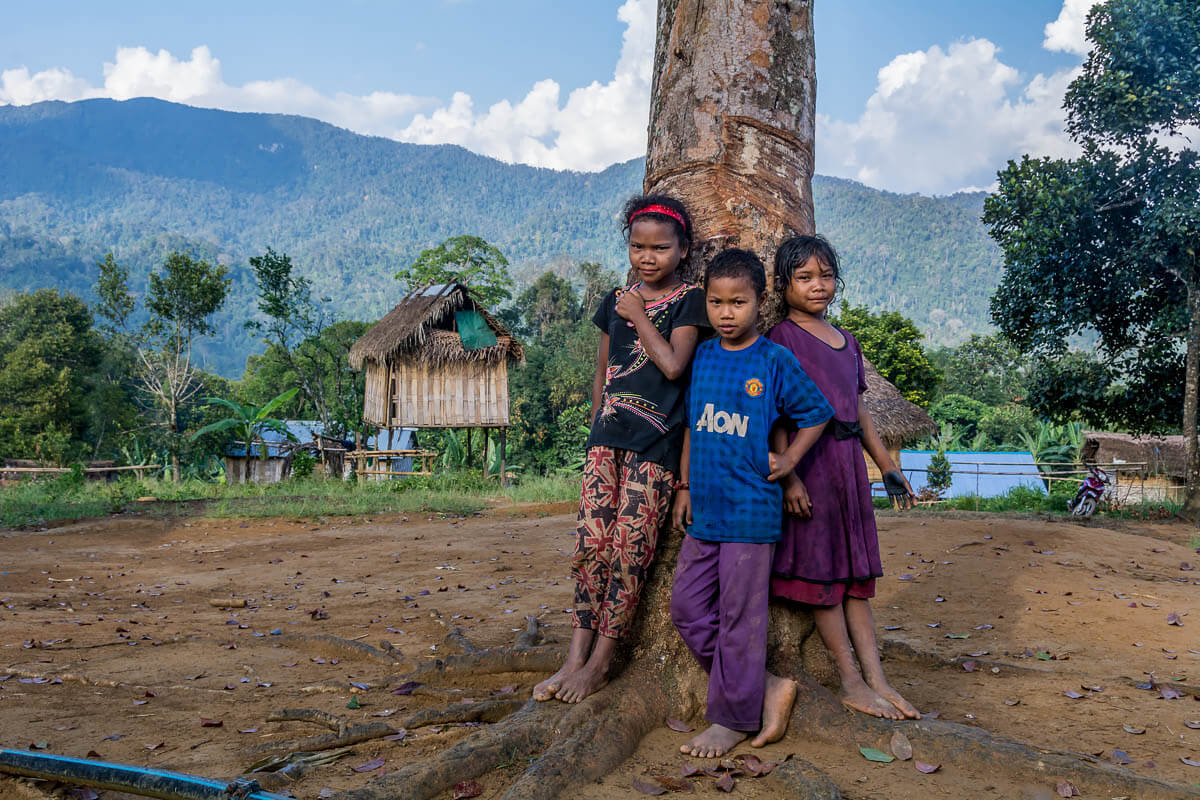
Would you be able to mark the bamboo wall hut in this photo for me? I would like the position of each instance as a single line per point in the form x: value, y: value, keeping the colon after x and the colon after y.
x: 897, y: 420
x: 1158, y: 460
x: 436, y: 360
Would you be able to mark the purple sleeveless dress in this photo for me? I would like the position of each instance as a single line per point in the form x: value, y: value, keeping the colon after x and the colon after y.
x: 835, y: 552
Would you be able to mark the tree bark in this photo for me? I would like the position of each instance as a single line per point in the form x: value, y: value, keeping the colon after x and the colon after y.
x: 1191, y: 400
x: 732, y: 122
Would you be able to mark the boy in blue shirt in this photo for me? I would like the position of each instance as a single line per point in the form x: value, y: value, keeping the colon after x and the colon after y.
x: 741, y: 385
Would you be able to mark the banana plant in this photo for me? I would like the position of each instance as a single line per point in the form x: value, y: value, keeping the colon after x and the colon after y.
x: 247, y: 422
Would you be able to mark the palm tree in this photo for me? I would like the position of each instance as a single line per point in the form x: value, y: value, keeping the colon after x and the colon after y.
x: 248, y: 421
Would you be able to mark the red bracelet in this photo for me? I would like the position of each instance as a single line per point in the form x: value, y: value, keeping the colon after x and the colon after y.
x: 683, y: 485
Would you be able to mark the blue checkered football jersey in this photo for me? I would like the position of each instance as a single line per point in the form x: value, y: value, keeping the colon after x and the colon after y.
x: 734, y: 399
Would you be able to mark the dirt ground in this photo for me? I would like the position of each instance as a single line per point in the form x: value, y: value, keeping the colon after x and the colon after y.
x: 1037, y: 630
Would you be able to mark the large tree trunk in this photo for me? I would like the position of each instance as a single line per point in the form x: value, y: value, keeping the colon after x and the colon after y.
x: 732, y: 120
x: 1191, y: 401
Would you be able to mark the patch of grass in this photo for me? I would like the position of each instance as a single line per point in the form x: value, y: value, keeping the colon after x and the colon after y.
x: 69, y: 497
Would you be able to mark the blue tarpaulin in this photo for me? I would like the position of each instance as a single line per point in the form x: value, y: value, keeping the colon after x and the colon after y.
x: 976, y: 473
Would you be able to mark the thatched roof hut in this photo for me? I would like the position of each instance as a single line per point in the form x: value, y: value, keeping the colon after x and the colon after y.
x: 436, y: 360
x: 898, y: 421
x: 1163, y: 455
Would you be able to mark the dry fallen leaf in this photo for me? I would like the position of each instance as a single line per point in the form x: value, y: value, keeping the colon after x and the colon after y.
x: 467, y: 789
x: 726, y: 783
x: 649, y: 785
x: 1066, y: 789
x: 374, y: 763
x: 1136, y: 731
x: 676, y: 725
x: 928, y: 769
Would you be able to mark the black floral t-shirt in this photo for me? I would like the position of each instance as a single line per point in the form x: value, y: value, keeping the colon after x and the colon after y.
x: 641, y: 409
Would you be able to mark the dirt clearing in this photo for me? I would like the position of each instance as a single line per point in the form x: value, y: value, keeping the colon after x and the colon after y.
x: 115, y: 641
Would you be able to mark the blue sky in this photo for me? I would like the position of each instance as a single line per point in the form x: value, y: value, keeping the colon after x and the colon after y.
x: 914, y: 95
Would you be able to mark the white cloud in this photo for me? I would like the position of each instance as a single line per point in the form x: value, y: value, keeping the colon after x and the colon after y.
x: 945, y: 120
x: 197, y: 81
x: 1066, y: 34
x: 600, y: 124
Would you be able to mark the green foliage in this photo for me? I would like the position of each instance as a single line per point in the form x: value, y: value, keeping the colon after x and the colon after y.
x: 986, y: 368
x: 183, y: 296
x: 1005, y: 427
x: 1105, y: 243
x: 1140, y: 78
x: 247, y: 421
x: 303, y: 462
x: 324, y: 361
x: 892, y: 343
x: 467, y: 259
x: 1055, y: 444
x: 48, y: 352
x: 940, y: 474
x: 112, y: 290
x: 959, y: 411
x: 550, y: 395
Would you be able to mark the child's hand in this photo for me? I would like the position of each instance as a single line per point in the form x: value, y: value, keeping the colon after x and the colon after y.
x: 795, y: 497
x: 899, y: 491
x: 681, y: 514
x: 631, y: 304
x: 781, y: 464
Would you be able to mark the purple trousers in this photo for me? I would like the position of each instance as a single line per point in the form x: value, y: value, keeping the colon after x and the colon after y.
x: 719, y: 606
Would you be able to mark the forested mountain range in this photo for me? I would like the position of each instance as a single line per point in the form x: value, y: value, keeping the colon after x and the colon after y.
x: 143, y: 177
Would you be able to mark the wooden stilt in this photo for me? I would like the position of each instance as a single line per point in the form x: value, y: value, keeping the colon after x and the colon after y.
x: 467, y: 462
x: 503, y: 465
x: 483, y: 452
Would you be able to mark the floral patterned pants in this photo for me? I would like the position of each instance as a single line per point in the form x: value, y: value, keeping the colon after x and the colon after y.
x: 623, y: 503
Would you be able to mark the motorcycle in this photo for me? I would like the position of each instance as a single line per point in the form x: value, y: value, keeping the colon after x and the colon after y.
x: 1087, y: 499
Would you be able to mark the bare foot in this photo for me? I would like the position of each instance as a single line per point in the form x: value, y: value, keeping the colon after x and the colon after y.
x: 581, y: 683
x: 884, y: 690
x: 550, y: 687
x: 861, y: 697
x: 714, y: 742
x: 777, y: 709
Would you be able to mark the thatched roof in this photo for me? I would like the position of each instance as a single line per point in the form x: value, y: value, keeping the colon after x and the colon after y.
x: 1164, y: 455
x: 897, y: 420
x: 422, y: 326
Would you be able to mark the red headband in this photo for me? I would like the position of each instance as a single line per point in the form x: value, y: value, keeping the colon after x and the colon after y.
x: 675, y: 215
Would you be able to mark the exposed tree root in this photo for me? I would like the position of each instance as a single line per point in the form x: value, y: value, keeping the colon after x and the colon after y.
x: 818, y: 715
x: 493, y: 661
x: 127, y: 643
x: 315, y: 716
x: 481, y: 711
x: 802, y: 781
x: 519, y: 736
x: 455, y: 636
x: 345, y: 647
x: 344, y: 732
x: 609, y: 726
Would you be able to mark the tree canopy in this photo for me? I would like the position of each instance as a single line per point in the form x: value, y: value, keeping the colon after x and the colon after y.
x: 1106, y: 242
x: 893, y: 344
x: 468, y: 259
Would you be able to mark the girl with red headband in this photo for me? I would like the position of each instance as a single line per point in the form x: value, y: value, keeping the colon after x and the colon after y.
x: 649, y: 332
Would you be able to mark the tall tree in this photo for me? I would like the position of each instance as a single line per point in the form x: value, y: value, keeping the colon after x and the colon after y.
x: 892, y: 342
x: 47, y: 352
x: 297, y: 331
x: 732, y: 121
x: 468, y: 259
x: 180, y: 302
x: 1107, y: 242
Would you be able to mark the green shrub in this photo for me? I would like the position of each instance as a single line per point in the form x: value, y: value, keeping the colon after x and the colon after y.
x: 1007, y: 426
x: 961, y: 412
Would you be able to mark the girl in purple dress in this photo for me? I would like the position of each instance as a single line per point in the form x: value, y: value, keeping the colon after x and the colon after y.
x: 828, y: 557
